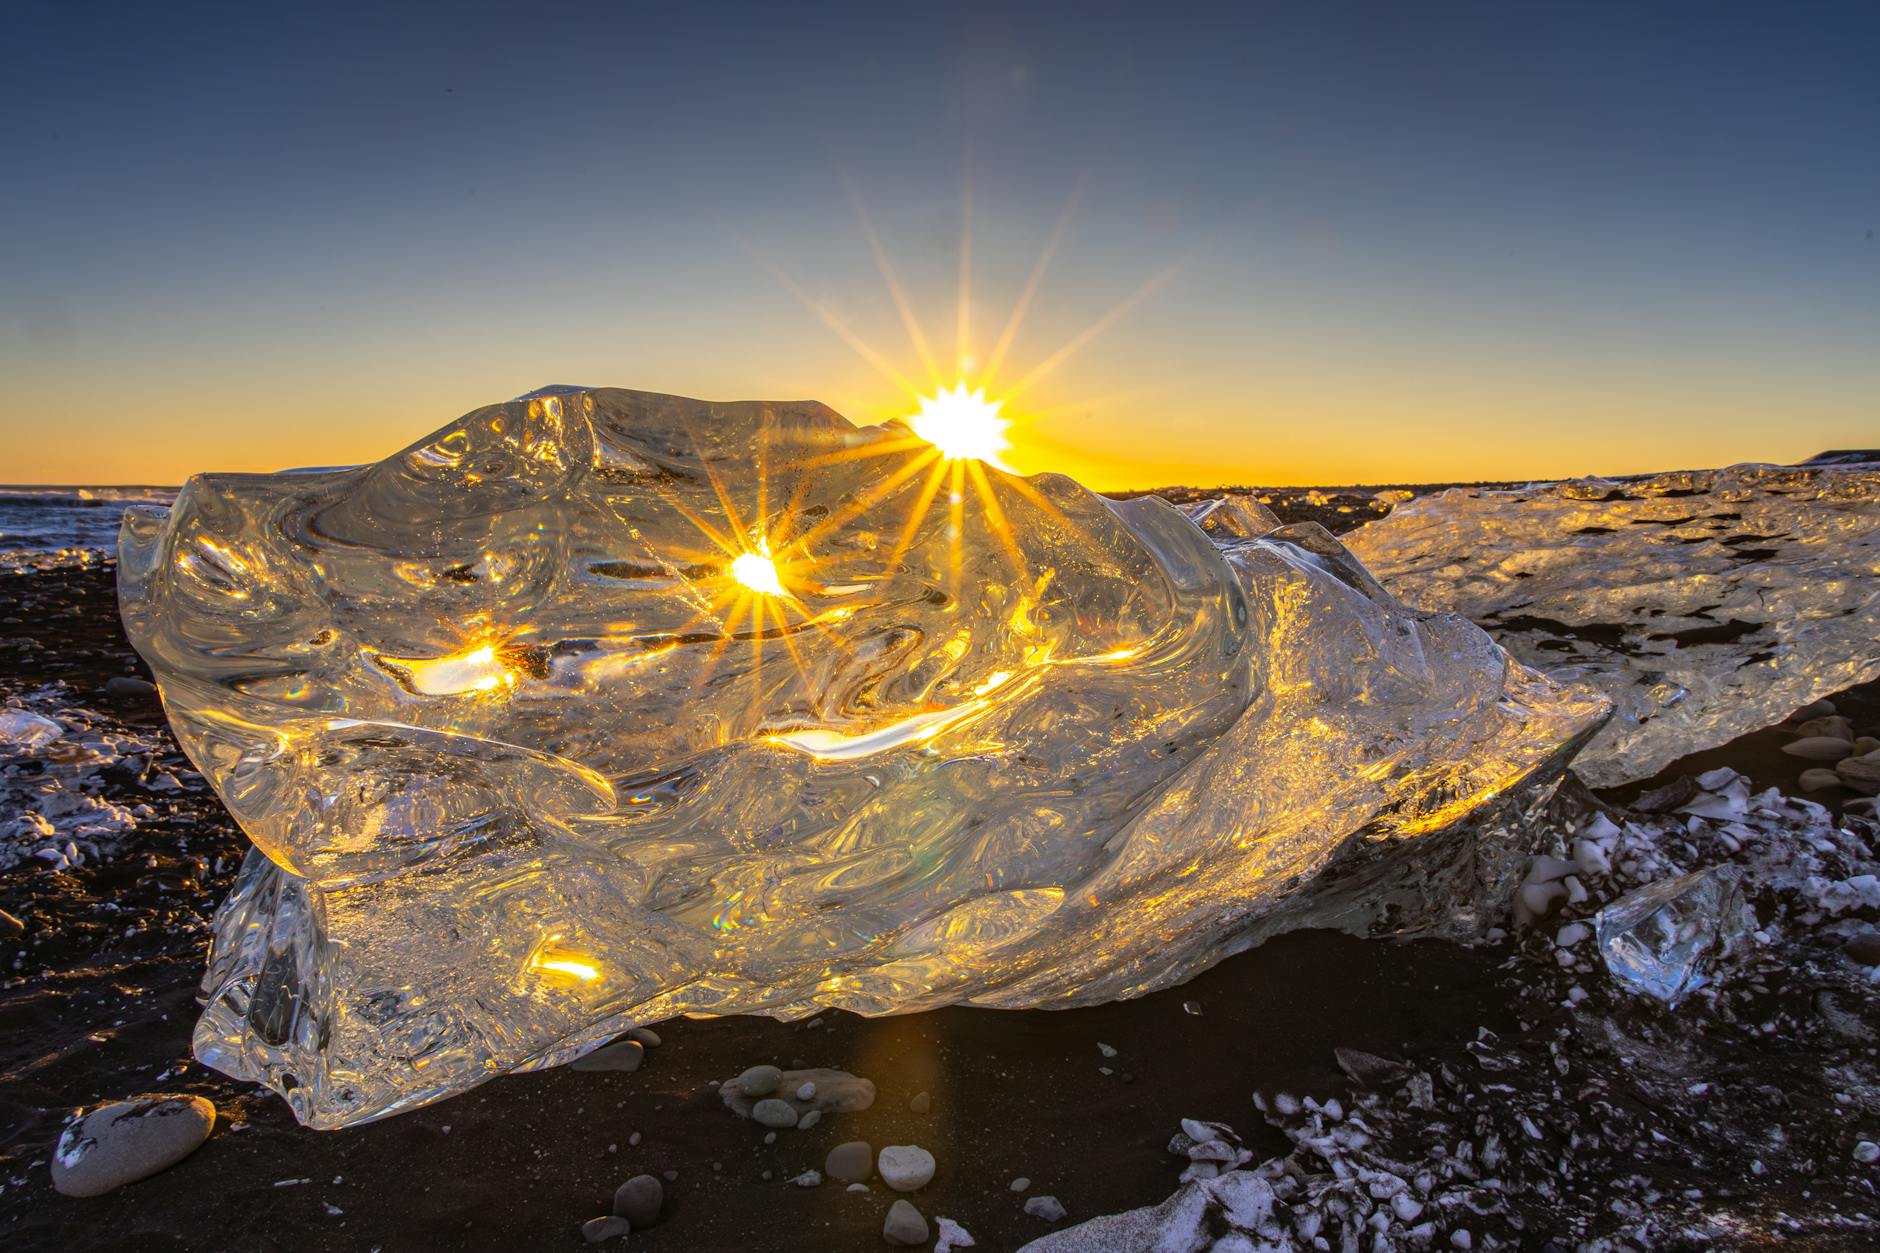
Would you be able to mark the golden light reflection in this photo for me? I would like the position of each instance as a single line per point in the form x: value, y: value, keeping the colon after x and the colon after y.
x: 550, y: 958
x: 758, y: 572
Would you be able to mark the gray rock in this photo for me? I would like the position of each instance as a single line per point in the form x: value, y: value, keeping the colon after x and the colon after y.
x: 1819, y: 748
x: 809, y: 1120
x: 647, y: 1037
x: 758, y: 1081
x: 808, y: 1179
x: 1833, y: 726
x: 774, y: 1113
x: 905, y: 1167
x: 1045, y: 1207
x: 625, y: 1055
x: 1815, y: 779
x: 921, y: 1103
x: 1865, y: 948
x: 904, y: 1226
x: 1819, y: 709
x: 124, y: 687
x: 837, y: 1092
x: 852, y: 1162
x: 1021, y: 1184
x: 639, y: 1199
x: 1861, y: 773
x: 600, y: 1230
x: 126, y: 1141
x: 806, y: 1091
x: 1866, y: 1152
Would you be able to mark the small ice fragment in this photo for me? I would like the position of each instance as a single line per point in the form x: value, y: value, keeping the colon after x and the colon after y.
x: 1666, y: 939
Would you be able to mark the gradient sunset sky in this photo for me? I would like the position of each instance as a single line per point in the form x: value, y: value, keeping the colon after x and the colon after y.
x: 1318, y: 243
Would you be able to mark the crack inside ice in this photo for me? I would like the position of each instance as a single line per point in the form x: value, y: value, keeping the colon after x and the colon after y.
x: 528, y: 756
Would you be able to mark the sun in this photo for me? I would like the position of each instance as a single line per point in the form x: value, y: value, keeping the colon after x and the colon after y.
x: 963, y: 425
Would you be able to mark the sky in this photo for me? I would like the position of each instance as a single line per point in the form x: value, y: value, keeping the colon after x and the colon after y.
x: 1286, y: 244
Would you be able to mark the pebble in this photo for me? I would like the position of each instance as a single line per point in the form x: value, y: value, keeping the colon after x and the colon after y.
x: 624, y: 1055
x: 1834, y: 726
x: 809, y: 1120
x: 1020, y: 1184
x: 1864, y: 947
x: 806, y: 1092
x: 1867, y: 1151
x: 1860, y: 773
x: 645, y: 1035
x: 852, y: 1162
x: 905, y: 1167
x: 1818, y: 709
x: 639, y: 1199
x: 600, y: 1230
x: 1108, y: 1050
x: 808, y: 1179
x: 921, y: 1103
x: 1045, y: 1207
x: 904, y: 1226
x: 758, y: 1081
x: 125, y: 687
x: 126, y: 1141
x: 1815, y: 779
x: 774, y: 1113
x: 1819, y: 748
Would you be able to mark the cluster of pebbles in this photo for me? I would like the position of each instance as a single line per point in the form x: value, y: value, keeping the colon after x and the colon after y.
x: 1849, y: 755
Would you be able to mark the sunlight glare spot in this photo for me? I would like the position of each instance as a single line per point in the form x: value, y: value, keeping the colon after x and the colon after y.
x: 757, y: 572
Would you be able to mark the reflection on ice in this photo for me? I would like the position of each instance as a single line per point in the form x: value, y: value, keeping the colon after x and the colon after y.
x: 530, y: 752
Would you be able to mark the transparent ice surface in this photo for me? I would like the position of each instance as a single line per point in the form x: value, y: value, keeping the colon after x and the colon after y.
x: 1666, y: 939
x: 600, y: 707
x: 1706, y: 604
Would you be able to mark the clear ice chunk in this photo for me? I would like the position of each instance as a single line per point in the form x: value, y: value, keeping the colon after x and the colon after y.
x: 600, y: 707
x: 1706, y: 604
x: 1667, y: 939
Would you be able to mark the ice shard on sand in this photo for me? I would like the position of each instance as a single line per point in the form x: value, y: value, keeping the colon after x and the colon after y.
x: 600, y: 706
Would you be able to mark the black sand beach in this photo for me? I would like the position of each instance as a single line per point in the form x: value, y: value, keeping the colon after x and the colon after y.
x: 99, y: 1001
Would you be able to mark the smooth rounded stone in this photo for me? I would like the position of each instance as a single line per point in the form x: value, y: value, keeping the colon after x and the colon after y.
x: 1833, y: 726
x: 601, y: 1230
x: 774, y: 1113
x: 124, y: 687
x: 905, y: 1167
x: 647, y: 1037
x: 623, y: 1055
x: 806, y: 1091
x: 1818, y: 709
x: 1860, y: 773
x: 1815, y: 779
x: 837, y: 1092
x: 1020, y: 1184
x: 758, y: 1081
x: 1864, y: 948
x: 852, y: 1162
x: 1867, y: 1151
x: 808, y: 1179
x: 809, y: 1120
x: 904, y: 1226
x: 1865, y: 744
x: 921, y: 1103
x: 126, y: 1141
x: 639, y: 1199
x: 1819, y: 748
x: 1045, y: 1207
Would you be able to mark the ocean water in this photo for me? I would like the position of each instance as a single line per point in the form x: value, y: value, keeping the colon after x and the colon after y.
x: 45, y: 527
